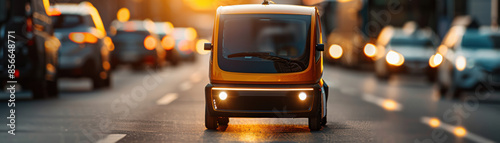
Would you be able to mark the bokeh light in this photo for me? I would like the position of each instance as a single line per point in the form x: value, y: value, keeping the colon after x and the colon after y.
x: 123, y: 14
x: 200, y: 46
x: 335, y: 51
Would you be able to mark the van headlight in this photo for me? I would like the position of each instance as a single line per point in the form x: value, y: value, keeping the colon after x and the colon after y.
x: 302, y: 96
x: 222, y: 95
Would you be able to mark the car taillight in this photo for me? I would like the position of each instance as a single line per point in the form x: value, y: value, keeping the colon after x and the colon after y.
x: 168, y: 43
x: 82, y: 37
x: 29, y: 25
x: 150, y: 43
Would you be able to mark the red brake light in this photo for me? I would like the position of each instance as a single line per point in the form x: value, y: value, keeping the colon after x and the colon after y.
x: 29, y: 25
x: 82, y: 37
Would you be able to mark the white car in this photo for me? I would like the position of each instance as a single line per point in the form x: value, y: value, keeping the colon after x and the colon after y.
x: 472, y: 61
x: 406, y: 51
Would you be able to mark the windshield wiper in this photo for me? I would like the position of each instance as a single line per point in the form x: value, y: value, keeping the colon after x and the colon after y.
x: 282, y: 65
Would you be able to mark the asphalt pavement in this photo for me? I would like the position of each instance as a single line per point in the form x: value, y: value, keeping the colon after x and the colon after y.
x: 167, y: 105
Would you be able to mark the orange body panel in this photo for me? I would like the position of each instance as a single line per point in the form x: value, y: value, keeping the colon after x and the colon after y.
x: 311, y: 75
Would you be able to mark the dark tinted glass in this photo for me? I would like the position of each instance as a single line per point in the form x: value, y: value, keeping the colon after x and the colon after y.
x: 480, y: 41
x: 264, y: 43
x: 67, y: 21
x: 411, y: 42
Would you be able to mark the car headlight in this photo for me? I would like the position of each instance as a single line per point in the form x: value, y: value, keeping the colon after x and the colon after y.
x: 302, y: 96
x: 394, y: 58
x: 460, y: 63
x: 370, y: 50
x: 222, y: 95
x: 335, y: 51
x: 435, y: 60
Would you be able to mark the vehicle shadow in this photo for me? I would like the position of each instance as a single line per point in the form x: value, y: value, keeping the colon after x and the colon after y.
x: 269, y: 133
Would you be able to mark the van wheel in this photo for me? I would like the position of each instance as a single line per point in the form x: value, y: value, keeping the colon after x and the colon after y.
x: 99, y: 83
x: 52, y: 88
x: 315, y: 122
x: 323, y: 121
x: 210, y: 121
x: 223, y: 121
x: 39, y: 90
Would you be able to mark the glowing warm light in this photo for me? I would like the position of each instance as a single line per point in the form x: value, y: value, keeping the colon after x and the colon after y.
x: 150, y: 43
x: 370, y: 50
x: 435, y: 60
x: 96, y: 18
x: 123, y: 14
x: 385, y: 35
x: 52, y: 44
x: 201, y: 4
x: 168, y: 43
x: 82, y: 37
x: 302, y: 96
x: 335, y: 51
x: 50, y: 67
x: 200, y: 46
x: 103, y: 75
x: 106, y: 65
x: 190, y: 34
x: 460, y: 63
x: 460, y: 131
x: 169, y: 27
x: 109, y: 44
x: 263, y: 89
x: 50, y: 11
x: 394, y: 58
x: 77, y: 37
x: 442, y: 49
x: 434, y: 122
x: 390, y: 105
x: 222, y: 95
x: 342, y: 1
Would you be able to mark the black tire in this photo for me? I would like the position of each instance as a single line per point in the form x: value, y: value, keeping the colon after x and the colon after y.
x: 442, y: 90
x: 52, y: 88
x: 39, y: 90
x: 223, y: 121
x: 99, y: 83
x: 210, y: 121
x: 107, y: 81
x: 315, y: 122
x: 323, y: 121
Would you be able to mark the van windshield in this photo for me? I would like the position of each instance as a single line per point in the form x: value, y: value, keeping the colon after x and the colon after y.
x: 264, y: 43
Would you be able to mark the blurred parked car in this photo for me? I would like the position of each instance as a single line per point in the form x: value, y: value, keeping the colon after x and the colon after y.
x: 35, y: 47
x: 165, y: 32
x: 84, y: 52
x: 346, y: 41
x: 406, y: 49
x: 472, y: 59
x: 137, y: 44
x: 185, y: 43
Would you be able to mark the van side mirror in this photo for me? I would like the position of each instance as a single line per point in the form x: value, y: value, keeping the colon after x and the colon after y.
x: 320, y: 47
x: 208, y: 46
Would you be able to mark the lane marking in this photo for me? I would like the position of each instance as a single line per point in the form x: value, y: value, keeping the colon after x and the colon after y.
x: 453, y: 130
x: 111, y: 138
x: 387, y: 104
x: 185, y: 86
x: 167, y: 99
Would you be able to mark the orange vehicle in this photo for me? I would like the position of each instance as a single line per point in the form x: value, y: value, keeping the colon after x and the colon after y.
x: 266, y: 61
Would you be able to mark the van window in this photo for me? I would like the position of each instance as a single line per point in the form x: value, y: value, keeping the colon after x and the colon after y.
x: 264, y: 43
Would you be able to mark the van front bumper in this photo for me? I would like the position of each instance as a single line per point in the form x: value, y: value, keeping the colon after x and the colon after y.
x: 279, y: 101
